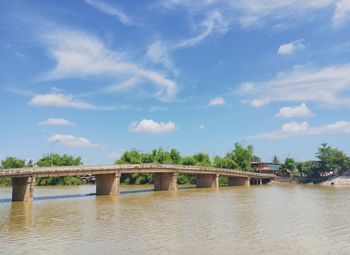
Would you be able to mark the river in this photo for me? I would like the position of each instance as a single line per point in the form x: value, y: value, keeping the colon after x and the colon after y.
x: 271, y: 219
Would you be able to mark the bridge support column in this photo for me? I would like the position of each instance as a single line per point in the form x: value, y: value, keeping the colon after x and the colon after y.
x: 165, y: 181
x: 107, y: 184
x: 23, y: 188
x: 207, y: 181
x: 239, y: 181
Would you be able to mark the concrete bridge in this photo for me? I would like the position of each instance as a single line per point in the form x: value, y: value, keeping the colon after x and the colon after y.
x: 108, y: 177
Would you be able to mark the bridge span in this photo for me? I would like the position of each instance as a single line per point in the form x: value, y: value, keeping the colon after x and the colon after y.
x: 108, y: 177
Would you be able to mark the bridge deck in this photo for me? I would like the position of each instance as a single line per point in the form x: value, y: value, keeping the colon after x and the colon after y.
x: 123, y: 169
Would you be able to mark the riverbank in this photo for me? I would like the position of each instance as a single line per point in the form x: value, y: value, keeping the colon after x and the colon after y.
x: 325, y: 181
x: 337, y: 181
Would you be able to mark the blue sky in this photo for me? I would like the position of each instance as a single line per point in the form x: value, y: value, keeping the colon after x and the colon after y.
x: 95, y: 78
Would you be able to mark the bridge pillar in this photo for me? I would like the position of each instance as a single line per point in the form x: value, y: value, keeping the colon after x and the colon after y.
x: 23, y: 188
x: 239, y: 181
x: 107, y: 184
x: 165, y: 181
x: 207, y: 181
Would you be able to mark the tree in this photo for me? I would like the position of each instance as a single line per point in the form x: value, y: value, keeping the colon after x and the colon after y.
x: 12, y: 162
x: 202, y: 159
x: 224, y: 162
x: 175, y: 156
x: 289, y: 167
x: 58, y: 160
x: 305, y: 169
x: 242, y: 156
x: 332, y: 160
x: 189, y: 161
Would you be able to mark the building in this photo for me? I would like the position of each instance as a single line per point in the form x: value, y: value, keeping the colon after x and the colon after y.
x: 266, y: 167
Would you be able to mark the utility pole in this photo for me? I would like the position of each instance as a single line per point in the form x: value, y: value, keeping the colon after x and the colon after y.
x: 56, y: 141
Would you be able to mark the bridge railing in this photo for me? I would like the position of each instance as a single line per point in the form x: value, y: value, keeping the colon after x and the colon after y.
x: 63, y: 169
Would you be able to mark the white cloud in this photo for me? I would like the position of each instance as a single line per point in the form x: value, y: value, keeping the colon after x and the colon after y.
x: 290, y: 48
x: 214, y: 22
x: 81, y: 55
x: 61, y: 100
x: 303, y: 128
x: 73, y: 141
x: 201, y: 126
x: 124, y: 85
x: 111, y: 10
x: 260, y: 13
x: 158, y: 53
x: 328, y: 85
x: 297, y: 111
x: 217, y: 101
x: 260, y: 102
x: 56, y: 122
x: 157, y: 108
x: 152, y: 127
x: 342, y: 12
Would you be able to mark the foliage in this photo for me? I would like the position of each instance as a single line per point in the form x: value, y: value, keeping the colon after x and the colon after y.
x: 305, y: 169
x: 12, y: 162
x: 332, y: 160
x: 289, y: 167
x: 242, y: 156
x: 57, y: 160
x: 224, y: 162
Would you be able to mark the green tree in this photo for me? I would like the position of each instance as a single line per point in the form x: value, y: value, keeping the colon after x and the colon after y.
x: 242, y: 156
x: 10, y: 162
x: 175, y: 156
x: 224, y: 162
x: 202, y: 159
x: 332, y: 160
x: 189, y: 161
x: 289, y: 167
x: 58, y: 160
x: 305, y: 169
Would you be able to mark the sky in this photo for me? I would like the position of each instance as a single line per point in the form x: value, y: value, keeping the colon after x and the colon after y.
x: 94, y: 78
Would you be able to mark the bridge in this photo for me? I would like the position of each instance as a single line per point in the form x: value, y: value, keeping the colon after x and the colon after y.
x: 108, y: 177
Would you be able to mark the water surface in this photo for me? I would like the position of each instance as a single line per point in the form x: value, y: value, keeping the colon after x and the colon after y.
x: 234, y: 220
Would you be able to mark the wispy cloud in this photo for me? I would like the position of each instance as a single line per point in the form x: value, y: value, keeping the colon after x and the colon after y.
x: 73, y: 141
x: 152, y: 127
x: 297, y: 111
x: 158, y: 53
x: 217, y: 101
x: 291, y: 47
x: 259, y: 13
x: 328, y: 86
x: 214, y: 22
x: 342, y: 12
x: 56, y: 122
x: 80, y: 55
x: 61, y: 100
x: 111, y: 10
x: 303, y: 128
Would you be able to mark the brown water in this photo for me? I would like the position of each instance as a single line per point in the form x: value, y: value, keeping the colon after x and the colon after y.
x: 234, y: 220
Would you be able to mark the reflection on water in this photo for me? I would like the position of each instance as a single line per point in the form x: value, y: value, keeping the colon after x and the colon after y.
x: 234, y: 220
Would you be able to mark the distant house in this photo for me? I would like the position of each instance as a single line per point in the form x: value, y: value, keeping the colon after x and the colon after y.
x: 266, y: 167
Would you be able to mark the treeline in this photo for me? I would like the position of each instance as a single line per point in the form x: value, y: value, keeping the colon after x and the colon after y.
x: 45, y: 161
x: 239, y: 157
x: 331, y: 161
